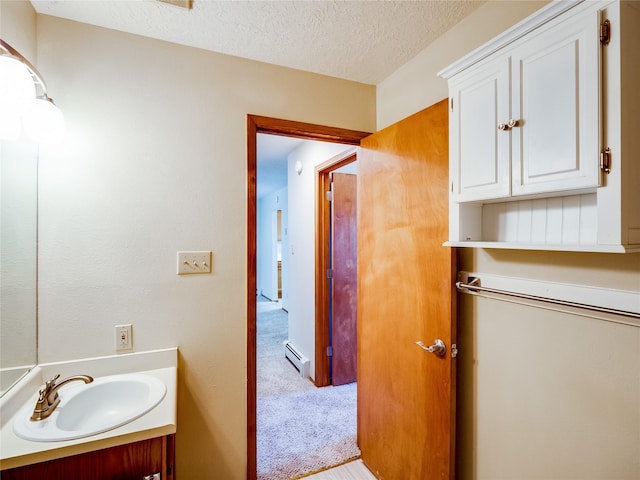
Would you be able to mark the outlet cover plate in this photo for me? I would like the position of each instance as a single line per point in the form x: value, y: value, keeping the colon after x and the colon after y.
x: 190, y: 263
x: 124, y: 338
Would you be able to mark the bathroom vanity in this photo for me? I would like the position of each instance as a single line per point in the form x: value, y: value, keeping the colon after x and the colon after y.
x: 140, y: 447
x: 138, y: 460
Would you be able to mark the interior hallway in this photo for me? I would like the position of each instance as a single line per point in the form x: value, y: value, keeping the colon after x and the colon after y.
x: 300, y: 428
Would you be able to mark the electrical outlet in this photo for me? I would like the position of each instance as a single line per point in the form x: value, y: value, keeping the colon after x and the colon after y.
x: 124, y: 340
x: 194, y: 262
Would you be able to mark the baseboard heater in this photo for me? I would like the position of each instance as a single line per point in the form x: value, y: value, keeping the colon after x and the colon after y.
x: 296, y: 358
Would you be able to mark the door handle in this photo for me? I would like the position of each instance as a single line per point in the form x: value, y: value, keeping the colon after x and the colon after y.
x: 438, y: 347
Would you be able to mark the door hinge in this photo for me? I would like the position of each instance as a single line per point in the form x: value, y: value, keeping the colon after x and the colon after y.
x: 605, y: 32
x: 452, y: 104
x: 605, y: 160
x: 329, y: 351
x: 454, y: 350
x: 329, y: 272
x: 329, y: 196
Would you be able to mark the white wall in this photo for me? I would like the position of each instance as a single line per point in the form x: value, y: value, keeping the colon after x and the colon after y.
x: 541, y: 394
x: 155, y: 162
x: 301, y: 251
x: 266, y: 249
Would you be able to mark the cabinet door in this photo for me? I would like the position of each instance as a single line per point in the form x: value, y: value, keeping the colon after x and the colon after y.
x: 556, y: 100
x: 480, y: 157
x: 132, y: 461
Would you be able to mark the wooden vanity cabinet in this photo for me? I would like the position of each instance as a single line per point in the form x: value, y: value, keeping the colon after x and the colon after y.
x: 133, y: 461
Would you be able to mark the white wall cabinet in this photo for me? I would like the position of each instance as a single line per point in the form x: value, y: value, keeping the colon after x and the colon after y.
x: 530, y: 114
x: 556, y: 102
x: 480, y: 153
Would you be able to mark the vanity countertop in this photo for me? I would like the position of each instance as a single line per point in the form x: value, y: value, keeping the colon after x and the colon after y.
x: 161, y: 420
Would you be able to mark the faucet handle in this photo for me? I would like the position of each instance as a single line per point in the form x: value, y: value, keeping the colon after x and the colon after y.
x: 49, y: 384
x: 43, y: 404
x: 48, y: 395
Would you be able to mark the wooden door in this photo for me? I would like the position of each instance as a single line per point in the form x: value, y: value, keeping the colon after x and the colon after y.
x: 343, y: 265
x: 406, y: 294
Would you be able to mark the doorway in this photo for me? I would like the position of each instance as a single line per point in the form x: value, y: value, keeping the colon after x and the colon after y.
x: 344, y: 354
x: 278, y: 253
x: 406, y: 297
x: 255, y: 125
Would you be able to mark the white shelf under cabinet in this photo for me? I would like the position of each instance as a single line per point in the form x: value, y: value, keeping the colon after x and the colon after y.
x: 552, y: 247
x: 598, y: 218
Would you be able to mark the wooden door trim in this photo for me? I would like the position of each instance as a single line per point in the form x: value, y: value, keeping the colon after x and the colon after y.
x: 260, y: 124
x: 323, y: 221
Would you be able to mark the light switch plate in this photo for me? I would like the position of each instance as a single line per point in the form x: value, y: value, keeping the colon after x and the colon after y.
x: 194, y: 262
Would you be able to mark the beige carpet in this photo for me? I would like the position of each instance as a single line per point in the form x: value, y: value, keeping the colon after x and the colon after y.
x: 301, y: 428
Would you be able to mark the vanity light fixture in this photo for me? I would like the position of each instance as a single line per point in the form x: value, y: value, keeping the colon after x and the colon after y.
x: 25, y: 106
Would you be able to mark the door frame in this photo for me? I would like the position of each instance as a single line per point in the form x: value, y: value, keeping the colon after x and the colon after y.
x: 260, y: 124
x: 322, y: 262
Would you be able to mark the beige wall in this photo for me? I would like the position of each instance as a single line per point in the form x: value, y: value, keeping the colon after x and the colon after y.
x: 155, y: 162
x: 415, y: 85
x: 541, y: 394
x: 18, y: 27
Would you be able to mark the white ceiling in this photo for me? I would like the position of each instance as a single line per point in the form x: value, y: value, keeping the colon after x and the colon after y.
x: 364, y: 41
x: 272, y: 161
x: 359, y: 40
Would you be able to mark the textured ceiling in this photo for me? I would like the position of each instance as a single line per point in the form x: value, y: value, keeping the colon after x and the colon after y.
x: 359, y: 40
x: 363, y: 41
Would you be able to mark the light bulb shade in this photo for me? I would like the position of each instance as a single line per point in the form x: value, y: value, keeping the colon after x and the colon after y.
x: 16, y: 83
x: 11, y: 120
x: 44, y: 122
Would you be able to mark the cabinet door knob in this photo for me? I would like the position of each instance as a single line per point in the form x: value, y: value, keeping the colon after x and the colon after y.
x: 508, y: 126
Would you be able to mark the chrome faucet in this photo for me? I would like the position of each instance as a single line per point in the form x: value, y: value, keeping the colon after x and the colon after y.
x: 48, y: 398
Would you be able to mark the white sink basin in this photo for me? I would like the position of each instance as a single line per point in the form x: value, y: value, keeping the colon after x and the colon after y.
x: 85, y: 410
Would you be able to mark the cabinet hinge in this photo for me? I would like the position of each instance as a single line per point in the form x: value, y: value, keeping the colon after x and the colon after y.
x: 605, y: 32
x: 605, y: 160
x: 329, y: 351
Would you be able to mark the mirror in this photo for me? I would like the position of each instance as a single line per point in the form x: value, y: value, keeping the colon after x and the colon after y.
x: 18, y: 260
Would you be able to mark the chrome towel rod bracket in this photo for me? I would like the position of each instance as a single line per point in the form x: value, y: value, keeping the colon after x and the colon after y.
x: 468, y: 283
